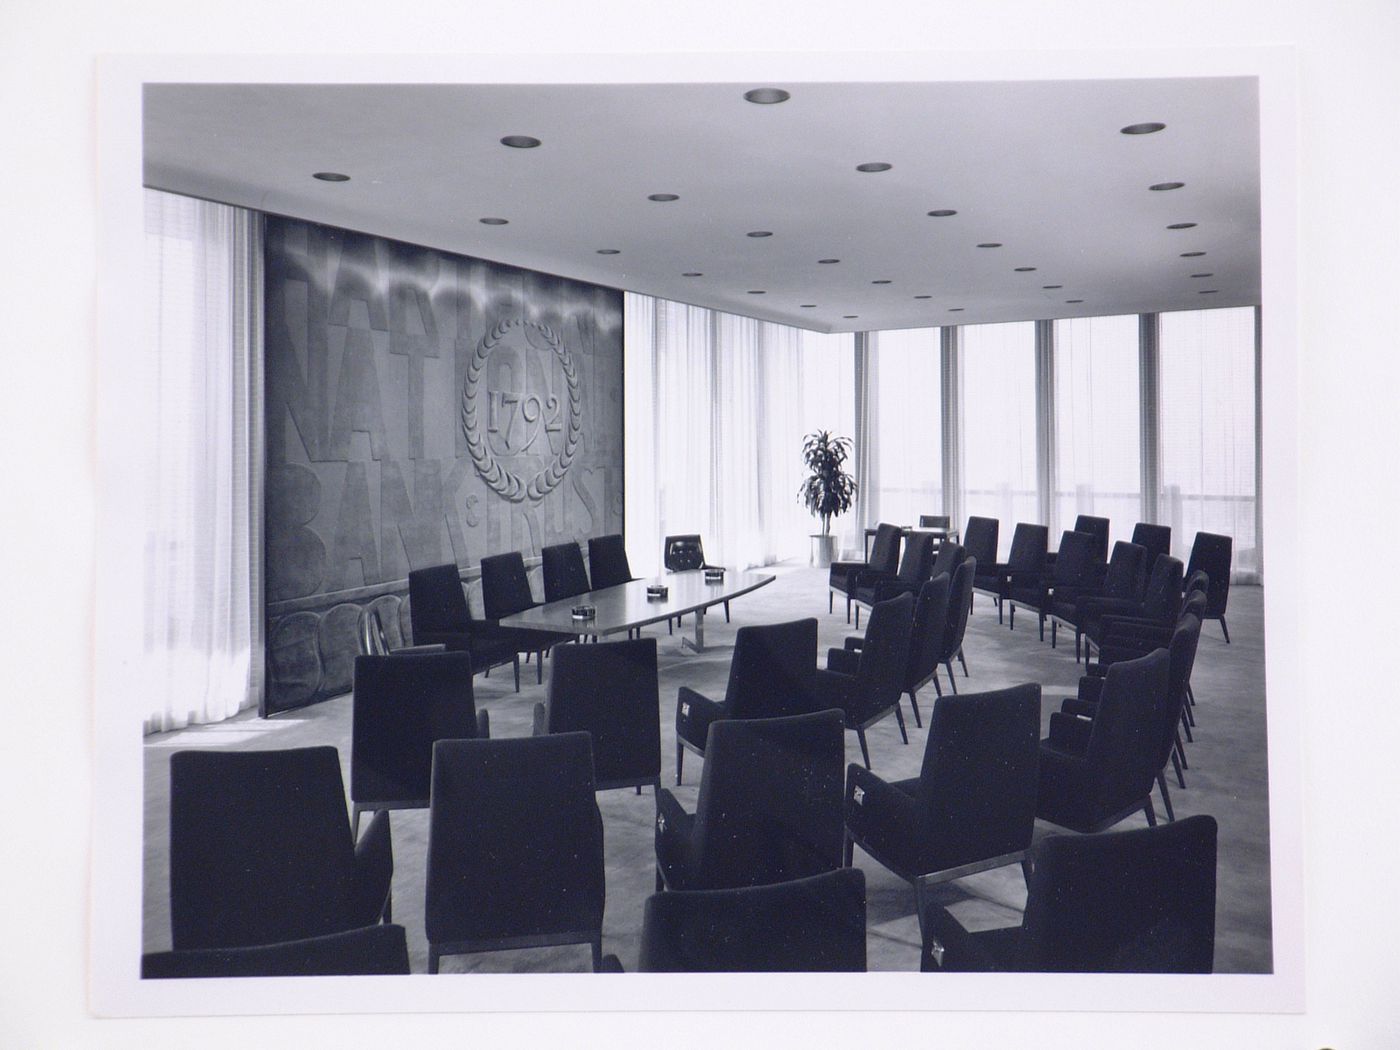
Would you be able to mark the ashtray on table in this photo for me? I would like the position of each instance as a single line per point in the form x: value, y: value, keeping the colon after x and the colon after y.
x: 583, y: 612
x: 657, y: 592
x: 714, y: 575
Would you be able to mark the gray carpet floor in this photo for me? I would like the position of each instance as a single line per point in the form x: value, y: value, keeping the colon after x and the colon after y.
x: 1227, y: 779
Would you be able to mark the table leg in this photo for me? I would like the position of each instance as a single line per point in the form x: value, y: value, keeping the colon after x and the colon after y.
x: 698, y: 645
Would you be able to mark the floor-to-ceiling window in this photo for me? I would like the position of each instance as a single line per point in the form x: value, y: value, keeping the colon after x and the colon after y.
x: 999, y: 423
x: 906, y: 393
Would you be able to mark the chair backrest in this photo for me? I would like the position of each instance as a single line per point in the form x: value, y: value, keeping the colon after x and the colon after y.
x: 981, y: 771
x: 610, y: 691
x: 372, y: 950
x: 436, y: 601
x: 1156, y: 538
x: 980, y: 540
x: 682, y: 553
x: 1127, y: 572
x: 769, y: 808
x: 1097, y: 528
x: 505, y: 586
x: 1123, y: 741
x: 371, y: 634
x: 1161, y: 600
x: 934, y: 521
x: 401, y: 706
x: 563, y: 570
x: 260, y: 847
x: 1140, y: 901
x: 773, y: 670
x: 959, y: 605
x: 1075, y: 562
x: 884, y: 655
x: 950, y: 556
x: 1212, y: 553
x: 1029, y: 546
x: 607, y: 561
x: 1181, y: 658
x: 816, y: 924
x: 1197, y: 581
x: 884, y: 552
x: 926, y: 636
x: 515, y: 839
x: 915, y: 563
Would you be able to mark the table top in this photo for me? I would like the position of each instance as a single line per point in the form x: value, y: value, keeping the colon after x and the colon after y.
x: 626, y: 605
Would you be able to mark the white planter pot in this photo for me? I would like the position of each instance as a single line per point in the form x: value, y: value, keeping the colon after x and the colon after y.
x: 823, y: 550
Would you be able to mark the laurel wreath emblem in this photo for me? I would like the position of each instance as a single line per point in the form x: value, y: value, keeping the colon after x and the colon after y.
x: 501, y: 480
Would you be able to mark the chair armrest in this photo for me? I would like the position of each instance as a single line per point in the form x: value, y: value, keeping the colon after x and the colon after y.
x: 695, y: 713
x: 1073, y: 705
x: 674, y: 839
x: 1069, y: 733
x: 855, y: 642
x: 892, y: 588
x: 437, y: 647
x: 540, y: 725
x: 1090, y: 688
x: 948, y: 946
x: 880, y: 814
x: 374, y: 870
x: 843, y: 661
x: 483, y: 725
x: 1097, y: 605
x: 831, y: 689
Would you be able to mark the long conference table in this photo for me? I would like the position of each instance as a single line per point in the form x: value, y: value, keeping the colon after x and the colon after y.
x: 626, y: 606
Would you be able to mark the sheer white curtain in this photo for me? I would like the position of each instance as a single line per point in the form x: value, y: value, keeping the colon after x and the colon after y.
x: 716, y: 406
x: 1208, y: 430
x: 200, y: 611
x: 1098, y: 469
x: 906, y: 425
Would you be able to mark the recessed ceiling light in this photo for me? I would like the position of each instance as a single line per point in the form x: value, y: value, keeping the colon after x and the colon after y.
x: 1142, y: 129
x: 494, y: 222
x: 828, y: 262
x: 1181, y: 225
x: 955, y: 309
x: 850, y: 317
x: 692, y: 273
x: 1167, y: 186
x: 608, y: 251
x: 1074, y: 300
x: 757, y: 291
x: 878, y: 165
x: 331, y: 176
x: 942, y: 213
x: 663, y: 196
x: 1191, y: 255
x: 1203, y: 275
x: 990, y: 244
x: 520, y: 141
x: 766, y: 96
x: 1024, y: 269
x: 809, y: 306
x: 760, y: 233
x: 923, y: 297
x: 880, y: 282
x: 1049, y: 287
x: 1208, y: 291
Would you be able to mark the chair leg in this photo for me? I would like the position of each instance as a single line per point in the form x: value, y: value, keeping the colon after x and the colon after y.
x: 899, y: 717
x: 680, y: 761
x: 539, y: 669
x: 639, y: 789
x: 1078, y: 641
x: 1187, y: 726
x: 1166, y: 798
x: 1149, y: 812
x: 516, y: 664
x: 1026, y: 868
x: 830, y: 601
x: 1181, y: 750
x: 1225, y: 629
x: 864, y: 750
x: 355, y: 825
x: 848, y: 608
x: 388, y: 913
x: 951, y: 680
x: 1176, y: 765
x: 937, y: 686
x: 726, y: 612
x: 914, y: 703
x: 857, y: 617
x: 1054, y: 632
x: 432, y: 959
x: 598, y: 954
x: 963, y: 660
x: 670, y: 627
x: 1042, y: 627
x: 848, y: 850
x: 1012, y: 625
x: 1188, y: 714
x: 999, y: 619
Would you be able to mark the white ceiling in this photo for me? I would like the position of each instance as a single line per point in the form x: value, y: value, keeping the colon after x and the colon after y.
x: 1039, y: 166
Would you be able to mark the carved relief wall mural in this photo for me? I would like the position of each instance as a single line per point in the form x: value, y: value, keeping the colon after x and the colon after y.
x: 421, y: 408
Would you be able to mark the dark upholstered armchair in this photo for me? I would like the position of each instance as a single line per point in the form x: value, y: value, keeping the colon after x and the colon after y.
x: 816, y: 924
x: 261, y: 850
x: 505, y: 591
x: 515, y: 846
x: 915, y: 565
x: 955, y: 625
x: 1140, y: 901
x: 1156, y: 539
x: 925, y: 641
x: 971, y: 808
x: 884, y: 557
x: 1097, y: 771
x: 437, y: 607
x: 770, y: 676
x: 686, y: 553
x: 564, y: 573
x: 1159, y: 606
x: 1123, y: 582
x: 1068, y: 576
x: 607, y: 562
x: 402, y: 705
x: 1024, y: 567
x: 866, y: 684
x: 769, y: 808
x: 1212, y: 554
x: 609, y: 691
x: 374, y: 642
x: 375, y: 950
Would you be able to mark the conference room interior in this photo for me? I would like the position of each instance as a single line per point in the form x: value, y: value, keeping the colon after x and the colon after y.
x: 590, y: 314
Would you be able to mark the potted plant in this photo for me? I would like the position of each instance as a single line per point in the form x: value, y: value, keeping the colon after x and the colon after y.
x: 828, y: 490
